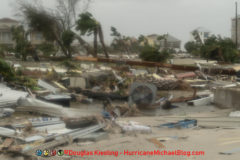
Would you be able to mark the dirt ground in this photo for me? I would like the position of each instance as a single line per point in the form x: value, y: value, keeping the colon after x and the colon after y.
x: 216, y: 132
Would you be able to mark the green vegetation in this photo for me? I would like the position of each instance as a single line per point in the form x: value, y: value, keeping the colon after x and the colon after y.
x: 9, y: 75
x: 5, y: 49
x: 68, y: 38
x: 123, y: 43
x: 193, y: 48
x: 69, y: 65
x: 57, y: 25
x: 7, y: 71
x: 88, y: 25
x: 47, y: 49
x: 149, y: 53
x: 42, y: 21
x: 26, y: 82
x: 214, y: 48
x: 154, y: 53
x: 23, y: 46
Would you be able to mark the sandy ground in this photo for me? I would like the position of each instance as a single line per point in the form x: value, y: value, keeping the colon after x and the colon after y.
x: 216, y: 132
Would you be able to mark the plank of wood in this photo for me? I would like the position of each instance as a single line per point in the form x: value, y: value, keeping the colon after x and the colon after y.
x: 156, y: 143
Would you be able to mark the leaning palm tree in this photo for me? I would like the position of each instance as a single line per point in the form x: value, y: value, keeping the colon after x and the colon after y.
x: 42, y: 21
x: 197, y: 37
x: 87, y: 25
x: 55, y: 25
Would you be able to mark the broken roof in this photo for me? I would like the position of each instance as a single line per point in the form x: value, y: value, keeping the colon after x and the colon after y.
x: 169, y: 37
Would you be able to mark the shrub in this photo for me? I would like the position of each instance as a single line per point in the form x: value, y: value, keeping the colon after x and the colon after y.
x: 47, y: 48
x: 149, y: 53
x: 193, y: 48
x: 6, y: 71
x: 215, y: 48
x: 220, y: 49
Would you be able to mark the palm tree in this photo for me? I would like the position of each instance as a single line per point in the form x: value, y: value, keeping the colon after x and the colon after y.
x: 87, y: 25
x: 197, y: 37
x: 55, y: 25
x: 121, y: 42
x: 42, y: 21
x: 142, y: 40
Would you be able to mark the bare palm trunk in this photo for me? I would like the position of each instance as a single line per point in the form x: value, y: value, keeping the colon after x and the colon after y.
x: 64, y: 50
x: 101, y: 37
x: 59, y: 42
x: 95, y: 42
x: 88, y: 48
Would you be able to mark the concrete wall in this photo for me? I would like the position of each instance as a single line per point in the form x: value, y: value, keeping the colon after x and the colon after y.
x: 227, y: 97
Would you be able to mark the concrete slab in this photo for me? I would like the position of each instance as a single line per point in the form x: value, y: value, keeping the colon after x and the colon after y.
x: 227, y: 97
x: 78, y: 82
x: 202, y: 101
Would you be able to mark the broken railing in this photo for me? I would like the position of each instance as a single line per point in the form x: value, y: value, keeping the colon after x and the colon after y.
x: 228, y: 71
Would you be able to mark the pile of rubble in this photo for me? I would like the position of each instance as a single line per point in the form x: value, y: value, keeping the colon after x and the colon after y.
x: 45, y: 118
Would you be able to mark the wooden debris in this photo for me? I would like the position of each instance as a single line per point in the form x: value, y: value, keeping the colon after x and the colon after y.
x: 7, y: 143
x: 219, y: 70
x: 156, y: 142
x: 184, y: 99
x: 181, y: 76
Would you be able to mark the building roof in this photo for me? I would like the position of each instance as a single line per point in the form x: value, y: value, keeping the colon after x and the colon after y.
x: 8, y: 20
x: 169, y: 37
x: 153, y: 36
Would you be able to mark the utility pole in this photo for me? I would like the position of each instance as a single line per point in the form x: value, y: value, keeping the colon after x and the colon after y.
x: 237, y: 24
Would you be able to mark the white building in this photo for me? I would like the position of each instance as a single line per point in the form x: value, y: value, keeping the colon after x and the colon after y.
x: 6, y: 25
x: 233, y: 30
x: 5, y: 31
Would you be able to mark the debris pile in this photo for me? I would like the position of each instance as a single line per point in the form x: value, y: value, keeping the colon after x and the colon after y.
x: 70, y: 105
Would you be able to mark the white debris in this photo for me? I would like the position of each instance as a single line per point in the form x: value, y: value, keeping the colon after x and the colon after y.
x: 33, y: 138
x: 6, y: 132
x: 235, y: 114
x: 134, y: 127
x: 138, y: 72
x: 47, y: 86
x: 34, y: 105
x: 5, y: 112
x: 9, y: 97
